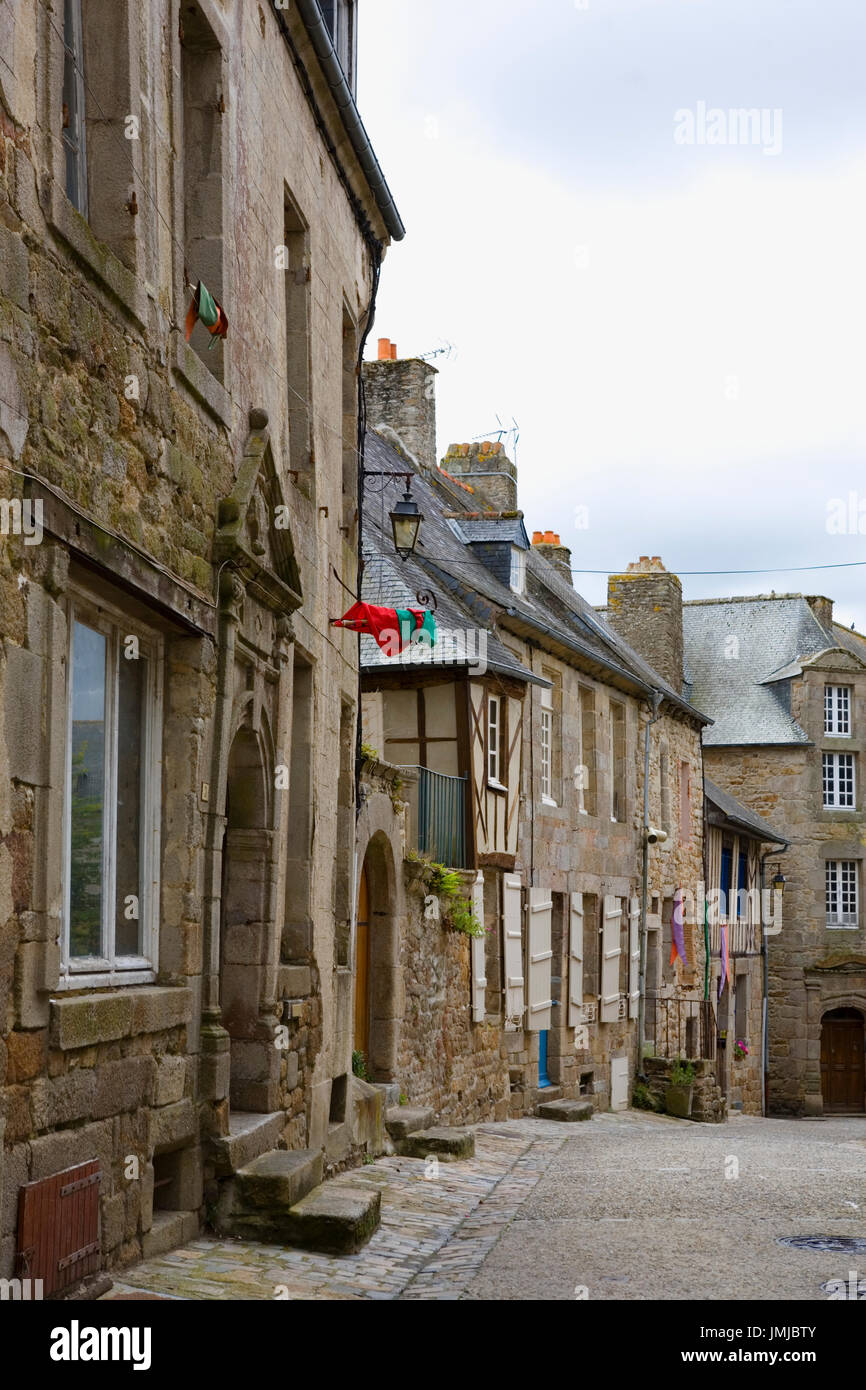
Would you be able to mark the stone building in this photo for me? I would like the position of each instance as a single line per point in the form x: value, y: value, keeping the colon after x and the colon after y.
x: 786, y: 688
x: 175, y: 828
x: 538, y: 756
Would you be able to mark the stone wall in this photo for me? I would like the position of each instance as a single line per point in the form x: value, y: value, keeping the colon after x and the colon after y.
x: 401, y: 395
x: 645, y: 605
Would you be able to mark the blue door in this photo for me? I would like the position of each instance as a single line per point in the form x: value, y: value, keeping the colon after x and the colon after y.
x: 543, y: 1078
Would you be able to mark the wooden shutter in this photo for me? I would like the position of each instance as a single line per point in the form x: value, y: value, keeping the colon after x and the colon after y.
x: 540, y: 949
x: 634, y: 957
x: 513, y: 920
x: 58, y: 1227
x: 610, y: 954
x: 479, y: 944
x: 575, y: 962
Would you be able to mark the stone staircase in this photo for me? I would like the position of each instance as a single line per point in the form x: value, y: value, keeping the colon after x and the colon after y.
x: 277, y: 1196
x: 414, y: 1135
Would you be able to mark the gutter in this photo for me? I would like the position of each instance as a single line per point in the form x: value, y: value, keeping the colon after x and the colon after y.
x: 765, y: 1002
x: 330, y: 64
x: 641, y: 1003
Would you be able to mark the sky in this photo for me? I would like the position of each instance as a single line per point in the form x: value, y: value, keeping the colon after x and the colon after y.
x: 668, y: 300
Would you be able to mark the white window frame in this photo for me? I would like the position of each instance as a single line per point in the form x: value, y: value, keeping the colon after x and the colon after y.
x: 837, y: 710
x: 547, y: 725
x: 109, y: 968
x: 832, y: 765
x: 581, y: 760
x: 494, y: 741
x: 517, y: 578
x: 841, y: 878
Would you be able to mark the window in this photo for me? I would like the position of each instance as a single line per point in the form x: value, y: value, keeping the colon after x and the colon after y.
x: 685, y: 804
x: 725, y: 880
x: 350, y: 422
x: 742, y: 881
x: 296, y: 266
x: 837, y: 710
x: 112, y: 811
x: 517, y: 578
x: 617, y: 761
x: 665, y: 788
x: 202, y: 87
x: 340, y: 16
x: 495, y: 736
x: 584, y: 779
x: 841, y: 893
x: 741, y: 1009
x: 551, y: 755
x: 73, y: 107
x: 838, y: 780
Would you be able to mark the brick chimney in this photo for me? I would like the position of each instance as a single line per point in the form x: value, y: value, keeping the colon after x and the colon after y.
x: 401, y: 393
x: 488, y: 470
x: 548, y: 544
x: 645, y: 606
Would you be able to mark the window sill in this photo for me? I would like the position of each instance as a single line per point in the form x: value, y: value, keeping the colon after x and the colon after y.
x: 496, y: 786
x: 105, y: 979
x: 201, y: 382
x: 549, y: 801
x: 117, y: 278
x: 842, y: 926
x: 85, y: 1020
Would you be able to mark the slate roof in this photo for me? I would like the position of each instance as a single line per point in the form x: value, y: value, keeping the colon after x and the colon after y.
x: 735, y: 811
x: 468, y: 593
x: 507, y: 529
x: 745, y: 686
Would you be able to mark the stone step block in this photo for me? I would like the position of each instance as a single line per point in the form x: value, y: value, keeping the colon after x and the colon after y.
x: 277, y: 1180
x: 567, y: 1111
x: 248, y: 1138
x: 401, y: 1121
x: 335, y: 1218
x: 442, y: 1141
x: 169, y: 1229
x: 390, y: 1091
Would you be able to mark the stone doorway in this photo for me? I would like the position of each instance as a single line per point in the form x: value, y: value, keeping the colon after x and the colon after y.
x: 378, y: 1001
x: 247, y: 928
x: 843, y: 1062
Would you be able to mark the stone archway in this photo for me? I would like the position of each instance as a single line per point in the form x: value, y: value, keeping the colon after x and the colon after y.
x: 247, y: 927
x: 843, y: 1061
x: 377, y: 994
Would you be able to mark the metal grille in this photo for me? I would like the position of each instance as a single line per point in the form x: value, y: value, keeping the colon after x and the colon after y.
x: 683, y: 1028
x: 58, y: 1227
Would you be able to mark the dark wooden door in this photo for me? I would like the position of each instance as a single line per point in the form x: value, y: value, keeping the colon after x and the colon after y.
x: 362, y: 969
x: 843, y: 1062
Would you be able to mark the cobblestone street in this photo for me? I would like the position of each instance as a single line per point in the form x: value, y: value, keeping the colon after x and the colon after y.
x: 629, y: 1206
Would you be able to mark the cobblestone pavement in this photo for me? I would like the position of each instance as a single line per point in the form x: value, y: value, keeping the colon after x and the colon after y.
x: 629, y: 1206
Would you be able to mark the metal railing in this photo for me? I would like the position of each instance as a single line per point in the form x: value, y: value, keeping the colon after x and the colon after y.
x: 438, y: 816
x: 682, y: 1028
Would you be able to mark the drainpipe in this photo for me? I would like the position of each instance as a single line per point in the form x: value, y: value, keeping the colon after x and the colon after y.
x: 765, y: 1001
x: 641, y: 1006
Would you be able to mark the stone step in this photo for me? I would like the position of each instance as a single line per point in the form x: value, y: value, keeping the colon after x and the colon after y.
x: 169, y: 1229
x: 566, y: 1110
x: 390, y: 1091
x: 254, y: 1204
x: 248, y: 1138
x: 401, y: 1121
x: 442, y: 1141
x: 335, y: 1218
x: 548, y: 1094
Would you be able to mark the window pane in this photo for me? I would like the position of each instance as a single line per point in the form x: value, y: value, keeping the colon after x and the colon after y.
x: 131, y: 687
x: 87, y: 791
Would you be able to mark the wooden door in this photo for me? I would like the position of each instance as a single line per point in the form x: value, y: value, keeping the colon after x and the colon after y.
x: 843, y: 1062
x: 362, y: 969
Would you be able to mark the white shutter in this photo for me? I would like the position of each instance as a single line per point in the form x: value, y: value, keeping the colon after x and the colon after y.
x: 512, y: 889
x: 619, y: 1083
x: 540, y: 949
x: 575, y: 962
x: 634, y: 957
x: 610, y: 954
x: 479, y: 943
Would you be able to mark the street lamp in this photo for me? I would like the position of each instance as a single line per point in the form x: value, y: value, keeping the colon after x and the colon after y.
x: 405, y: 524
x: 779, y: 880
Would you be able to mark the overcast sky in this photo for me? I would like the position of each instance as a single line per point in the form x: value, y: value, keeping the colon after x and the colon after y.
x: 673, y: 314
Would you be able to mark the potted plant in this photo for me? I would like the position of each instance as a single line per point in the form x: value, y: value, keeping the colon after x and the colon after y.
x: 678, y: 1095
x: 741, y: 1050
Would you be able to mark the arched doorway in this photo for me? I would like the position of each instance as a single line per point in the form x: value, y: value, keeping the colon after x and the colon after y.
x: 843, y: 1062
x: 378, y: 1000
x: 245, y: 925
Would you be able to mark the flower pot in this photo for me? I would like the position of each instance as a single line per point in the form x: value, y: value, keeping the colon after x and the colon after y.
x: 678, y: 1101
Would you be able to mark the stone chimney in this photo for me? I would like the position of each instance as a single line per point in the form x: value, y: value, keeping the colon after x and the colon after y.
x: 645, y: 606
x: 823, y: 609
x: 489, y: 472
x: 548, y: 544
x: 401, y: 393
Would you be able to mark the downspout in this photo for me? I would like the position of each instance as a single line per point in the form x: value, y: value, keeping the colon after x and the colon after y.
x: 765, y: 1001
x: 641, y: 1005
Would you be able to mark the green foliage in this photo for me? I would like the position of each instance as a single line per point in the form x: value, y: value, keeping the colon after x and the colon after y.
x: 463, y: 919
x: 447, y: 884
x: 369, y: 753
x: 642, y: 1098
x: 682, y: 1073
x: 359, y: 1066
x: 403, y: 1099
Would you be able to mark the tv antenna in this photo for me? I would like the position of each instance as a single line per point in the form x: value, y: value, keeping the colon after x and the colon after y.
x: 448, y: 350
x: 511, y: 433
